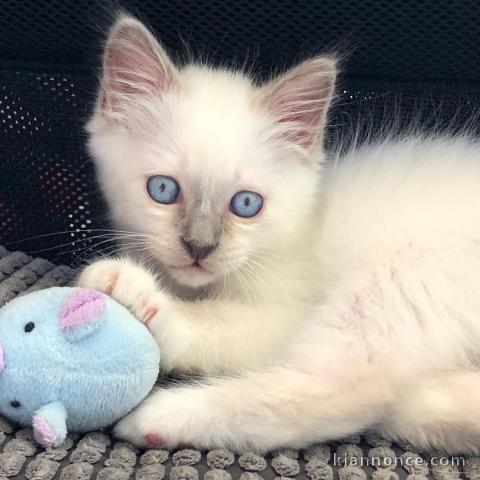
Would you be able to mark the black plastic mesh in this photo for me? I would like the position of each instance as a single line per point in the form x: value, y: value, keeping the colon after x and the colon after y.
x: 401, y: 39
x: 47, y: 180
x: 409, y: 55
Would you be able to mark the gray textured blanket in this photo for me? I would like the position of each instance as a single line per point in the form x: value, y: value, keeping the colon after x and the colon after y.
x: 97, y: 456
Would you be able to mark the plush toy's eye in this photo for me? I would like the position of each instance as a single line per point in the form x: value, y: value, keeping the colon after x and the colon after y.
x: 15, y: 403
x: 246, y: 204
x: 163, y: 189
x: 29, y: 327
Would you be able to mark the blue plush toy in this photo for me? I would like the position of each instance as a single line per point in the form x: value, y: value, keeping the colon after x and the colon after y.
x: 72, y: 359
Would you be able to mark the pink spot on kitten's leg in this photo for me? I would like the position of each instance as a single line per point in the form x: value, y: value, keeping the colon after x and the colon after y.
x: 150, y: 314
x: 154, y: 439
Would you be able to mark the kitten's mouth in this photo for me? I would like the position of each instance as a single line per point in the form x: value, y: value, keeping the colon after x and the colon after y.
x: 194, y: 267
x: 194, y: 274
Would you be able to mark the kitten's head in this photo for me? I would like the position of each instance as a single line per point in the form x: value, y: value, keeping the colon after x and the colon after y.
x: 214, y: 170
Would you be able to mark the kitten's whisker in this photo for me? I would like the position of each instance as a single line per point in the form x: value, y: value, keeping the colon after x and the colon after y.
x: 252, y: 281
x: 257, y: 277
x: 65, y: 232
x: 237, y: 276
x: 136, y: 243
x: 109, y: 251
x: 74, y: 242
x: 249, y: 287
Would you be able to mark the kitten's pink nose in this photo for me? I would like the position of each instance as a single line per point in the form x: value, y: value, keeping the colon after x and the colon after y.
x: 2, y: 358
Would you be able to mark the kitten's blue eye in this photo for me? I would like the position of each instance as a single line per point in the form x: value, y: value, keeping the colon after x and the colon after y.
x: 163, y: 189
x: 246, y: 204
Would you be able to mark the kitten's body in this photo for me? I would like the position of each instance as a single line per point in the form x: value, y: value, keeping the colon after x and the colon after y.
x: 348, y: 303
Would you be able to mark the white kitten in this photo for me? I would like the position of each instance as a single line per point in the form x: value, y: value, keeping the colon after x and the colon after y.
x: 339, y: 305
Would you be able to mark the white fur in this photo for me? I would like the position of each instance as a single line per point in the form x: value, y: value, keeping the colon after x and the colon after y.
x: 350, y: 306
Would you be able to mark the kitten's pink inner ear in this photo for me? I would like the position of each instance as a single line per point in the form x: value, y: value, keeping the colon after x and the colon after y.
x: 82, y: 307
x: 300, y: 99
x: 134, y: 64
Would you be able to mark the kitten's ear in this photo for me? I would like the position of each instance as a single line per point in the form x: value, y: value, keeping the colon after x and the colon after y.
x: 300, y: 98
x: 134, y: 64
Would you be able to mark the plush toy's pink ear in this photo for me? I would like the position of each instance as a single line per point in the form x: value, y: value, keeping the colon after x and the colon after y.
x: 82, y: 312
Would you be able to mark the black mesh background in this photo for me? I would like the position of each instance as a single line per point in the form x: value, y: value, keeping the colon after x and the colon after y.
x: 400, y: 39
x: 407, y: 56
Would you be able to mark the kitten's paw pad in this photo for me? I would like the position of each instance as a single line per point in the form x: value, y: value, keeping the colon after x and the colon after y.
x: 126, y: 282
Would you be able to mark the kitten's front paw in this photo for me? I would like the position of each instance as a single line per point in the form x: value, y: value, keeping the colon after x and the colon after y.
x: 133, y: 429
x: 166, y: 419
x: 126, y: 282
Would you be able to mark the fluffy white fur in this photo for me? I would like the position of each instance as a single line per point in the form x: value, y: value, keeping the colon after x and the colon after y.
x: 347, y: 303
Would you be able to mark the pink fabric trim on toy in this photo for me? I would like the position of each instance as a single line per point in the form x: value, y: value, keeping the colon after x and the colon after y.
x: 82, y: 307
x: 43, y: 432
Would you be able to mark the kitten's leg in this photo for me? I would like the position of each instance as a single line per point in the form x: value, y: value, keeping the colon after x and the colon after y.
x: 340, y: 382
x: 208, y: 336
x: 441, y: 412
x: 259, y: 410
